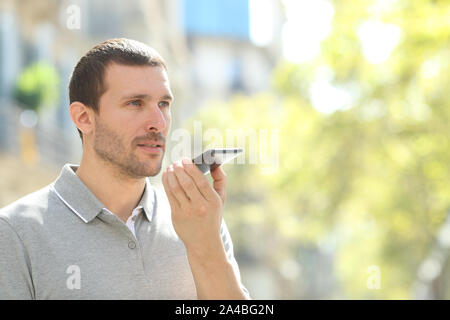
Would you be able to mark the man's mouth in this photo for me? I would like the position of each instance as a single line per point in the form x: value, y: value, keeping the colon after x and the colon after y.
x: 152, y: 147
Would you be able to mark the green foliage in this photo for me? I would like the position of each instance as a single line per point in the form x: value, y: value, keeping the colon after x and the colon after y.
x: 371, y: 180
x: 37, y: 86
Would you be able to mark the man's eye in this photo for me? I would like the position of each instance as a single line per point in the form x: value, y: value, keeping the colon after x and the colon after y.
x: 136, y: 103
x: 164, y: 104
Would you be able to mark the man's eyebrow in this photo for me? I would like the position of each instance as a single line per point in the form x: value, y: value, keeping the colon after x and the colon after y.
x: 145, y: 96
x: 167, y: 97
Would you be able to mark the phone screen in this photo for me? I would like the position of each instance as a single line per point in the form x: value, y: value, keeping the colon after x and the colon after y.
x: 212, y: 158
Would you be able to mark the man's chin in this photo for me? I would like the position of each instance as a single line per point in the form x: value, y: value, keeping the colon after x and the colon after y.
x: 152, y: 171
x: 149, y: 167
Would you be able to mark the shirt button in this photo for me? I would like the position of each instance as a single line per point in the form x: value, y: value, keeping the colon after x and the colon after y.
x: 131, y: 244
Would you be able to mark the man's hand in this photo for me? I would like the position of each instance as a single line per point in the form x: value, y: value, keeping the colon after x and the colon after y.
x: 197, y: 209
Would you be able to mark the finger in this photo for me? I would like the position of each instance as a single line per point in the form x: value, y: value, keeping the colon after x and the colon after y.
x: 187, y: 183
x: 176, y: 188
x: 172, y: 200
x: 220, y: 181
x: 199, y: 178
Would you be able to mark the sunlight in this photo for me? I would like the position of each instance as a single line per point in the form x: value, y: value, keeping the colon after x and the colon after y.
x: 308, y: 23
x: 378, y: 40
x: 325, y: 97
x: 261, y: 21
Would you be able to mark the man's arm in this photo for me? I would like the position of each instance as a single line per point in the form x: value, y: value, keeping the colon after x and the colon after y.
x: 197, y: 216
x: 215, y: 277
x: 15, y: 279
x: 228, y: 244
x: 218, y: 277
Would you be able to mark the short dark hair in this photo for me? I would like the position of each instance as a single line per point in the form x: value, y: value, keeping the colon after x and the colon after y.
x: 87, y: 81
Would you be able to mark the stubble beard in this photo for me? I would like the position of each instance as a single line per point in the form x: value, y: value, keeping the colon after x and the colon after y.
x: 109, y: 146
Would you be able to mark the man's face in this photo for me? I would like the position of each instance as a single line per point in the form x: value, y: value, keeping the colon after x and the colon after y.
x: 134, y: 116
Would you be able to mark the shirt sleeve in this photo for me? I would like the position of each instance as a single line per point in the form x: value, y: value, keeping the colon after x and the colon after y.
x: 15, y: 278
x: 228, y: 244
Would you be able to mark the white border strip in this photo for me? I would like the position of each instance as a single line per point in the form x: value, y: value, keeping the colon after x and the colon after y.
x: 65, y: 202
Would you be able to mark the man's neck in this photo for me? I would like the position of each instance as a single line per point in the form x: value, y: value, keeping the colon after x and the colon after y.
x: 119, y: 194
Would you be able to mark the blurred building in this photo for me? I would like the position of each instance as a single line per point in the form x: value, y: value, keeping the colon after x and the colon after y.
x: 209, y: 47
x: 207, y: 44
x: 224, y: 58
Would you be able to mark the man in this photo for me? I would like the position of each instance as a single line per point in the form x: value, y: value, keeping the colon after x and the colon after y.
x: 101, y: 231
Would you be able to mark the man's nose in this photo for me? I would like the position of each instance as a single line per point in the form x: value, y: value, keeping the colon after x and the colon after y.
x: 156, y: 120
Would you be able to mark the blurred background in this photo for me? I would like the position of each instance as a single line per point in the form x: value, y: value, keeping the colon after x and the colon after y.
x: 359, y: 92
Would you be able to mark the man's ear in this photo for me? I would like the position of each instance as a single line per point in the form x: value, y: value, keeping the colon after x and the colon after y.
x: 82, y: 116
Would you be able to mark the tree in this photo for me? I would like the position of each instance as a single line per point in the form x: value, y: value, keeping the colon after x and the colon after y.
x: 37, y: 87
x: 368, y: 183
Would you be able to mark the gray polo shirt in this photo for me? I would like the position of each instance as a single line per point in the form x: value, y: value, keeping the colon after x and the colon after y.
x: 61, y: 243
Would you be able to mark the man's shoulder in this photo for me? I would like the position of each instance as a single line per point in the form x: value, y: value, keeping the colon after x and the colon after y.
x: 29, y: 207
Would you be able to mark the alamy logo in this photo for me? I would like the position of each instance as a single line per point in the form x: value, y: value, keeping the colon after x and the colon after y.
x: 374, y: 279
x: 74, y: 280
x: 263, y: 144
x: 74, y: 19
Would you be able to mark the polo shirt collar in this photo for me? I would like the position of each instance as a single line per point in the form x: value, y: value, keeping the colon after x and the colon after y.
x: 148, y: 200
x: 77, y: 196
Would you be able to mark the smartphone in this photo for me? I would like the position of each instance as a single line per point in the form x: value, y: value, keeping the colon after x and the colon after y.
x: 213, y: 158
